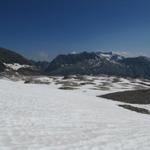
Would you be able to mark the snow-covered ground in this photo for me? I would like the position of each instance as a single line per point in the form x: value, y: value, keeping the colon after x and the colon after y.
x: 44, y: 117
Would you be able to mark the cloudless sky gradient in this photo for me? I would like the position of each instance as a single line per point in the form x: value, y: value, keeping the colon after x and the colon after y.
x: 44, y: 28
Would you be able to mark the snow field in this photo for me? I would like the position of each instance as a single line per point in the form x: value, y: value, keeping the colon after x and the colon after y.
x: 43, y: 117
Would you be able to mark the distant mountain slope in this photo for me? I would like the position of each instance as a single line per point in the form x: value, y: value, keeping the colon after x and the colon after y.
x: 41, y: 65
x: 110, y: 56
x: 97, y: 63
x: 2, y: 67
x: 138, y: 66
x: 12, y: 63
x: 86, y: 63
x: 63, y: 61
x: 10, y: 57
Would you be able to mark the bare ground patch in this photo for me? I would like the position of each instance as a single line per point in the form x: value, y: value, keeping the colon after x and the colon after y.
x: 133, y: 97
x: 67, y: 88
x: 136, y: 109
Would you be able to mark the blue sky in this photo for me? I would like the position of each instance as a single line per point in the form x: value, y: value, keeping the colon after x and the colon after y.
x: 42, y: 29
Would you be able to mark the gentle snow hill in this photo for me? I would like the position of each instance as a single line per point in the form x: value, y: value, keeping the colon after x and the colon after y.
x: 44, y: 117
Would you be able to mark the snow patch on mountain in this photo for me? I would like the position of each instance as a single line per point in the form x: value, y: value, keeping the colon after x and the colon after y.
x: 16, y: 66
x: 110, y: 56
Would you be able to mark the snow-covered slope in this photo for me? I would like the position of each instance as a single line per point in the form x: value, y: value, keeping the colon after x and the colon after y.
x: 44, y: 117
x: 16, y: 66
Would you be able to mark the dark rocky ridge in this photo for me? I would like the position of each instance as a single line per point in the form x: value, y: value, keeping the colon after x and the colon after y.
x: 97, y: 63
x: 138, y: 66
x: 84, y: 64
x: 8, y: 56
x: 2, y: 67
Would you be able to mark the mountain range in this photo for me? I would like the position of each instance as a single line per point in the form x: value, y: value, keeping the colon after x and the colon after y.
x: 96, y: 63
x: 84, y: 63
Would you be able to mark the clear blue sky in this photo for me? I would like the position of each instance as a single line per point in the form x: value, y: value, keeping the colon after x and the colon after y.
x: 37, y: 28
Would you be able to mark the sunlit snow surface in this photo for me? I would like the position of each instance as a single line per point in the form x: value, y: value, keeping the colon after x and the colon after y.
x: 44, y: 117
